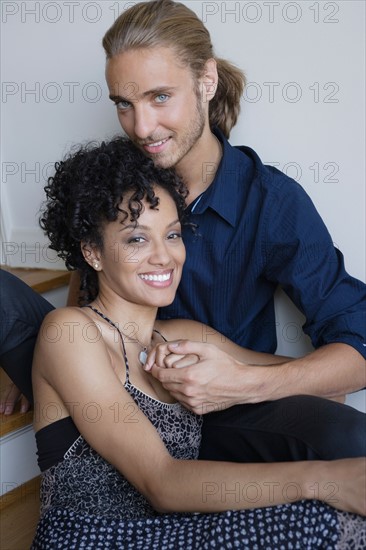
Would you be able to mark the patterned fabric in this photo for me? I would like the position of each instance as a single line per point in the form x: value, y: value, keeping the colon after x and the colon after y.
x: 85, y: 482
x: 352, y: 531
x: 87, y: 503
x: 299, y: 526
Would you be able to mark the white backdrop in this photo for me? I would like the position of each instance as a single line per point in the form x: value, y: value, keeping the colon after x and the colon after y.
x: 303, y: 109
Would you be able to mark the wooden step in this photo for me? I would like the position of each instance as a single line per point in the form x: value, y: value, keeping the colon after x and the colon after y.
x: 12, y: 422
x: 20, y: 506
x: 41, y: 280
x: 19, y: 516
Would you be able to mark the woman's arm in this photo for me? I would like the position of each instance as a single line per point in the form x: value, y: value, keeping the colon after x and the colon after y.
x: 72, y: 367
x: 208, y: 486
x: 185, y: 329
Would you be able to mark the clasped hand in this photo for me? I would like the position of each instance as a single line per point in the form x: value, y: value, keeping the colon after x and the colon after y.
x: 198, y: 375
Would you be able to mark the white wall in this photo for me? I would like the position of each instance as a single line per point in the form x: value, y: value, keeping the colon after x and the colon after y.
x: 18, y: 459
x: 303, y: 109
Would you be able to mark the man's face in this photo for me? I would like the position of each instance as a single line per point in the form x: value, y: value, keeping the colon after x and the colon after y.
x: 157, y: 103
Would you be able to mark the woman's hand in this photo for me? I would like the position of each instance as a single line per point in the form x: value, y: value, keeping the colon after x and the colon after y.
x: 165, y: 356
x: 343, y: 486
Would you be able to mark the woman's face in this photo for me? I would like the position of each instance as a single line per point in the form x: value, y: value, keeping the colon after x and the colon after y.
x: 143, y: 263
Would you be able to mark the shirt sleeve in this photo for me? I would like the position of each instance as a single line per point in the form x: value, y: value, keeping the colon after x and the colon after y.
x: 300, y: 256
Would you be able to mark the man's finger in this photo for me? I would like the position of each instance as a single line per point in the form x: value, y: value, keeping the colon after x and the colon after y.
x: 167, y: 376
x: 170, y: 360
x: 24, y: 404
x: 187, y: 347
x: 183, y: 361
x: 9, y: 399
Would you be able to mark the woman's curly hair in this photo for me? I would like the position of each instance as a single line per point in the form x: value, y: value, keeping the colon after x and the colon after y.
x: 86, y: 191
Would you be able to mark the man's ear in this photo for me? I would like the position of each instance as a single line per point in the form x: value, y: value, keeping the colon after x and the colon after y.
x: 91, y: 255
x: 209, y: 80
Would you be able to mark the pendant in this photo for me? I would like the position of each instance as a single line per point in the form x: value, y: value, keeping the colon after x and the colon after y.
x: 143, y: 356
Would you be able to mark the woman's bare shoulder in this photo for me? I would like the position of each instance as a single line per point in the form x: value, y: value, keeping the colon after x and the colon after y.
x: 67, y: 325
x: 74, y: 317
x: 65, y: 314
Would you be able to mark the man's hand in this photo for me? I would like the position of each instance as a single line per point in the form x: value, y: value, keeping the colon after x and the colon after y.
x: 198, y: 375
x: 209, y: 378
x: 167, y: 356
x: 10, y: 395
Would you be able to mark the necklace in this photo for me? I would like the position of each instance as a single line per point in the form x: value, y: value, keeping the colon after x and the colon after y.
x: 143, y: 352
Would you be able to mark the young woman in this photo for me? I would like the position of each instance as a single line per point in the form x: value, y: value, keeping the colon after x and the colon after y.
x: 116, y: 450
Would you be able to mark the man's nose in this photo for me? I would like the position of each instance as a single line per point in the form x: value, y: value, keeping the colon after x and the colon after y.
x: 145, y: 122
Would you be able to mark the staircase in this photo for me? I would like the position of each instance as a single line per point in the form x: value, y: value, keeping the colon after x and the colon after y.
x: 19, y: 503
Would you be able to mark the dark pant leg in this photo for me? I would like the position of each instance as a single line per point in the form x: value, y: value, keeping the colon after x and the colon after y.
x: 17, y: 363
x: 22, y: 312
x: 294, y: 428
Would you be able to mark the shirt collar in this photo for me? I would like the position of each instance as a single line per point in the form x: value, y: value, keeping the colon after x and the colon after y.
x: 221, y: 195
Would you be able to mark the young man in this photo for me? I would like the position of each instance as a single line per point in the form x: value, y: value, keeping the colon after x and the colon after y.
x: 255, y: 229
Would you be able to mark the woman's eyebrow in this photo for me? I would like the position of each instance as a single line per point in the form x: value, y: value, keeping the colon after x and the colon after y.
x: 145, y: 227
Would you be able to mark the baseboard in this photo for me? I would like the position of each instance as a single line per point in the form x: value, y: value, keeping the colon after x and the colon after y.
x: 18, y: 459
x: 27, y: 491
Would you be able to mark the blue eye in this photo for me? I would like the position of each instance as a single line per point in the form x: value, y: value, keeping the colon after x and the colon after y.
x: 123, y: 105
x: 161, y: 98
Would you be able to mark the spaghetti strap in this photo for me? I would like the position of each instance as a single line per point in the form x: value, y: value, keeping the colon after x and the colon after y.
x: 162, y: 335
x: 121, y: 337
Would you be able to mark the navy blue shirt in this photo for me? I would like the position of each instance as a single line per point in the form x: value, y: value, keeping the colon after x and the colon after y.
x: 256, y: 229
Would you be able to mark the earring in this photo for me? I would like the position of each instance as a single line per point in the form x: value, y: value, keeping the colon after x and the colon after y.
x: 96, y: 265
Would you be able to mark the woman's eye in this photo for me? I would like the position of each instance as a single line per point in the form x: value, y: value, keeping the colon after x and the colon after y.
x: 175, y: 235
x: 136, y: 240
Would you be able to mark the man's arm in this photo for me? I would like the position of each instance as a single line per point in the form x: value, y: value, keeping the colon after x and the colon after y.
x: 218, y: 378
x: 329, y: 371
x: 300, y: 257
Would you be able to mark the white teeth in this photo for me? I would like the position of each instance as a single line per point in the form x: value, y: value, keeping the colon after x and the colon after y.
x: 157, y: 143
x: 158, y: 278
